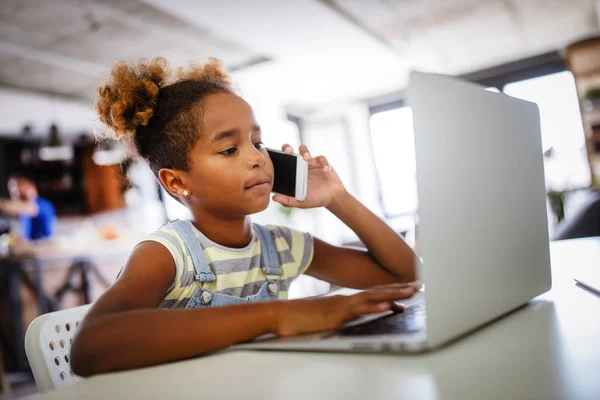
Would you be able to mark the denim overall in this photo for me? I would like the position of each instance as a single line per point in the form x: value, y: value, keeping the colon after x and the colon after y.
x: 202, y: 273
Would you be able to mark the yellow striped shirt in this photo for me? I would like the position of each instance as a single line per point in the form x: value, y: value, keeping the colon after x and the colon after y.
x: 237, y: 270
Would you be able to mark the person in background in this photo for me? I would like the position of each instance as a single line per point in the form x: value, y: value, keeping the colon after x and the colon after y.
x: 36, y: 214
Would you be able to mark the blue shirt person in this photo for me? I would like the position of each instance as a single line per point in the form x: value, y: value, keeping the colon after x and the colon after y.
x: 41, y: 225
x: 36, y: 215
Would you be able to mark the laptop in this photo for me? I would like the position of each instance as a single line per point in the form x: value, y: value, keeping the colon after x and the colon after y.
x: 482, y: 232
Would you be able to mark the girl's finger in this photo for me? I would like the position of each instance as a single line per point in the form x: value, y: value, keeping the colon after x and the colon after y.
x: 324, y: 163
x: 285, y: 200
x: 363, y: 309
x: 398, y: 308
x: 304, y: 151
x: 392, y: 285
x: 389, y: 295
x: 286, y: 148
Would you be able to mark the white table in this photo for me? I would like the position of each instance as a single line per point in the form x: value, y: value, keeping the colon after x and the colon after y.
x: 548, y: 350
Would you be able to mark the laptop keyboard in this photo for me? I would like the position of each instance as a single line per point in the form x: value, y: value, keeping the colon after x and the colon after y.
x: 409, y: 321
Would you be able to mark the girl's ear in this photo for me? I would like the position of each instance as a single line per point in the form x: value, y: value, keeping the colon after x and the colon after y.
x: 173, y: 181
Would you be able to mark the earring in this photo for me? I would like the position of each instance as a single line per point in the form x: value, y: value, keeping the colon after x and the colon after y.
x: 186, y: 193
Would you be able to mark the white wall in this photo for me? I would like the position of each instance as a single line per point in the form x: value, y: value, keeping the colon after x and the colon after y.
x: 18, y: 108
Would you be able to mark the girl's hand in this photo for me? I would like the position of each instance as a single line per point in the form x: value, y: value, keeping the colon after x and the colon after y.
x: 416, y: 285
x: 295, y: 317
x: 324, y: 185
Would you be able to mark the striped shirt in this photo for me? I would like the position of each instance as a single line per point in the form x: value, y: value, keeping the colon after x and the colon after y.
x: 238, y: 270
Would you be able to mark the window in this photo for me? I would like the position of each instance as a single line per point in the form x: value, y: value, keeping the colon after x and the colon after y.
x: 394, y: 147
x: 563, y: 139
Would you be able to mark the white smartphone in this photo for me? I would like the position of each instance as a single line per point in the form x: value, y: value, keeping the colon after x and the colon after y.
x: 291, y: 174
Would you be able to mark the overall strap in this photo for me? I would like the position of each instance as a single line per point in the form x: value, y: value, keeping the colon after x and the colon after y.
x: 201, y: 268
x: 268, y: 251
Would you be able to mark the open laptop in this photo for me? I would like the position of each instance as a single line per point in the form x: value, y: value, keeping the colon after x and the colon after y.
x: 482, y: 229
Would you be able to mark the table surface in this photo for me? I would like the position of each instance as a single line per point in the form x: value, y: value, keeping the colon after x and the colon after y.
x: 548, y: 350
x: 94, y: 248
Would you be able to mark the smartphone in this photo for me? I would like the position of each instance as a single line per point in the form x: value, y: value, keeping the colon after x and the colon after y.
x: 291, y: 174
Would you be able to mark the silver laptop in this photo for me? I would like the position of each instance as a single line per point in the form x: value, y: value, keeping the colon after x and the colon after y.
x: 482, y: 229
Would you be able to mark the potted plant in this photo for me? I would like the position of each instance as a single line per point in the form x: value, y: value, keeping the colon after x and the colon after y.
x: 591, y: 99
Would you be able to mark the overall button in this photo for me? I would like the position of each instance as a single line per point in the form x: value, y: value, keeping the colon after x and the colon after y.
x: 206, y: 297
x: 273, y: 288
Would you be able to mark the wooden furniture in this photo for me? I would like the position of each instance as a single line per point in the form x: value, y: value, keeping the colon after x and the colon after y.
x: 583, y: 60
x: 75, y: 187
x: 546, y: 350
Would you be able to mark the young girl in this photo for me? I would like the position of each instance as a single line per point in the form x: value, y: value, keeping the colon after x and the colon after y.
x: 204, y: 145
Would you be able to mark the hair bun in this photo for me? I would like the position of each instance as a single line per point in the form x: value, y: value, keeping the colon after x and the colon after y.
x: 128, y: 97
x: 212, y: 71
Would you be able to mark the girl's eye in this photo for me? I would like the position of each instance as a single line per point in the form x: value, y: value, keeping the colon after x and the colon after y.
x: 229, y: 152
x: 259, y: 145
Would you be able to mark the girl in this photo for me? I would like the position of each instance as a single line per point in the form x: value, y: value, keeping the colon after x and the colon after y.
x: 204, y: 145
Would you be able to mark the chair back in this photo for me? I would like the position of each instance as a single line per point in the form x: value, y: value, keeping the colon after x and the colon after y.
x: 48, y: 347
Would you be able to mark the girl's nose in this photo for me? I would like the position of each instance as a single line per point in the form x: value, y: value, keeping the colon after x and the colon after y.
x: 257, y: 159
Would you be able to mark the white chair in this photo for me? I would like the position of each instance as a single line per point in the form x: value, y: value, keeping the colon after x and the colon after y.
x: 48, y: 347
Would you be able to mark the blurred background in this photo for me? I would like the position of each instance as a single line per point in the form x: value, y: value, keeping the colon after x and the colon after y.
x: 327, y: 73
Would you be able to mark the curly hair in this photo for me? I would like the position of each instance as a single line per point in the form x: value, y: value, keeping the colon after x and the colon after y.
x: 153, y: 109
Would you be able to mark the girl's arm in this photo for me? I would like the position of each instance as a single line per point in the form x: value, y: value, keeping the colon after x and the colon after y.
x: 388, y: 258
x: 124, y: 329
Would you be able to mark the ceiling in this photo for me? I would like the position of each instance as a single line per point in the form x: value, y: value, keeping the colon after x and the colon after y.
x: 64, y: 46
x: 305, y: 53
x: 465, y: 35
